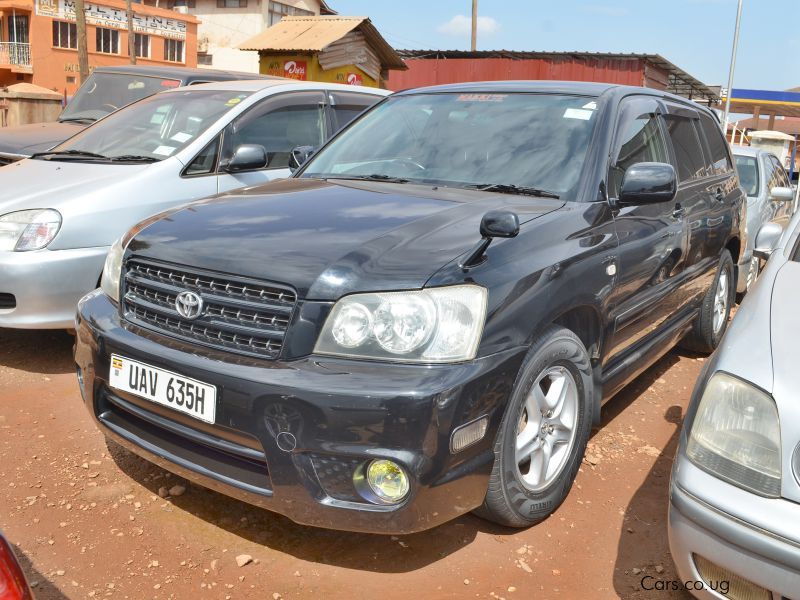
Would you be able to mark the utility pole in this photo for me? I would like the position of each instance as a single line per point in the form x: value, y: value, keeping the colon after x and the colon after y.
x: 474, y: 25
x: 733, y: 68
x: 131, y: 33
x: 83, y: 52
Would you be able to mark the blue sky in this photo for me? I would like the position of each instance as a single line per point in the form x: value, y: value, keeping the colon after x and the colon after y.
x: 696, y: 35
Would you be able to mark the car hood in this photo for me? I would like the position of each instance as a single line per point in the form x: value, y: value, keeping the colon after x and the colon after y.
x: 785, y: 323
x: 329, y: 238
x: 33, y: 183
x: 37, y: 137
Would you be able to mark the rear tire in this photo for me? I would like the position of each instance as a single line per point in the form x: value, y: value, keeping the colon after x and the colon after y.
x: 543, y: 434
x: 712, y: 322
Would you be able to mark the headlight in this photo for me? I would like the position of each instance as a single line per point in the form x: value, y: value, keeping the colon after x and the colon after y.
x: 433, y: 325
x: 112, y: 270
x: 736, y: 435
x: 28, y: 229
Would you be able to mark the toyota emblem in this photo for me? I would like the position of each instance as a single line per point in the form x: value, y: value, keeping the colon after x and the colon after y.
x: 189, y: 305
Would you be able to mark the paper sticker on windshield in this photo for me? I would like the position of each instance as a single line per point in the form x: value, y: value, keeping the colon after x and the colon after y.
x: 233, y: 102
x: 164, y: 150
x: 181, y: 137
x: 590, y: 106
x: 578, y: 113
x: 482, y: 97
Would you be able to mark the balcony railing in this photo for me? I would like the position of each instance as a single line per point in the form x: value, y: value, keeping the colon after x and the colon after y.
x: 15, y: 53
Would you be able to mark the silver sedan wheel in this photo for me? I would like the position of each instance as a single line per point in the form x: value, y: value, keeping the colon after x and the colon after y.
x: 721, y: 302
x: 546, y: 430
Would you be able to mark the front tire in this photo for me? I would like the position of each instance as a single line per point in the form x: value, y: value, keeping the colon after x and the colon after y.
x: 544, y: 431
x: 712, y: 322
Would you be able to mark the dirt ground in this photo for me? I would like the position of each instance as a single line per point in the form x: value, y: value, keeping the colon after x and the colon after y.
x: 88, y: 521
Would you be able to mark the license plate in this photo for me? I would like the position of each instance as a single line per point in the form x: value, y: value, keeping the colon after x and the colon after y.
x: 189, y: 396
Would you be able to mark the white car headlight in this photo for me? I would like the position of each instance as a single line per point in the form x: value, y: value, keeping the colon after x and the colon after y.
x: 26, y: 230
x: 112, y: 270
x: 736, y: 435
x: 429, y: 326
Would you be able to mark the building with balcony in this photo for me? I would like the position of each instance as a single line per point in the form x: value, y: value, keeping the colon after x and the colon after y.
x: 38, y: 39
x: 225, y: 24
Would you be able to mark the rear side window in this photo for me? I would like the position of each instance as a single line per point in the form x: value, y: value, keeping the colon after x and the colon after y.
x: 688, y: 152
x: 347, y: 106
x: 720, y: 161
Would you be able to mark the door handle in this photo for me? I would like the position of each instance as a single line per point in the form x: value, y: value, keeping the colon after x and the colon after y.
x: 679, y: 211
x: 719, y: 195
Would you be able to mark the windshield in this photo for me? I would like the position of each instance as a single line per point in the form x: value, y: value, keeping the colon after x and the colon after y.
x: 154, y: 128
x: 456, y: 139
x: 103, y: 93
x: 747, y: 167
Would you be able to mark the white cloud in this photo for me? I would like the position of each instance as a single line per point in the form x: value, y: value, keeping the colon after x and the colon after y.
x: 461, y: 25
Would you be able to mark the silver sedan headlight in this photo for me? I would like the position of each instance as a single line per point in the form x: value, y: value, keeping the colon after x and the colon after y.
x: 112, y: 270
x: 434, y: 325
x: 736, y: 435
x: 26, y: 230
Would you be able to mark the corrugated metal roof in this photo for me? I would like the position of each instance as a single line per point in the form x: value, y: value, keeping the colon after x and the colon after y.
x: 680, y: 82
x: 312, y: 34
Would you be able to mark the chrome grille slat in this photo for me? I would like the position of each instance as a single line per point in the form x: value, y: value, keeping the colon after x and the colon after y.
x: 246, y: 317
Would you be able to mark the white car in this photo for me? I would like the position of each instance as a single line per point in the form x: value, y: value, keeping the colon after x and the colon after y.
x: 61, y: 210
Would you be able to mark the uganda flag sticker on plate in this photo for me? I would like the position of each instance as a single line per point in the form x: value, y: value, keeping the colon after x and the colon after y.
x: 116, y: 364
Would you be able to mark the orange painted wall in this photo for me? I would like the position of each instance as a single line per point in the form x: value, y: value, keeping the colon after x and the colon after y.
x: 52, y: 67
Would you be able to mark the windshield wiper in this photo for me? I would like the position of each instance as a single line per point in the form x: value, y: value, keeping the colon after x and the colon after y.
x: 133, y: 158
x: 510, y: 188
x: 74, y: 153
x: 372, y: 177
x: 77, y: 120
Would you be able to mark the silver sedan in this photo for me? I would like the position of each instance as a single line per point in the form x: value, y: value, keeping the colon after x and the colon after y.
x: 734, y: 516
x: 769, y: 198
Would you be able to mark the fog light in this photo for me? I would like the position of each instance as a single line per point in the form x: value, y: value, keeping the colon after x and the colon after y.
x: 468, y: 434
x: 727, y: 583
x: 387, y: 480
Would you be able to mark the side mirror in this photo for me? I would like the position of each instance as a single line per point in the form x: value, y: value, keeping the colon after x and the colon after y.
x: 499, y: 223
x: 648, y: 183
x: 247, y: 157
x: 767, y: 240
x: 495, y: 223
x: 299, y: 156
x: 781, y: 194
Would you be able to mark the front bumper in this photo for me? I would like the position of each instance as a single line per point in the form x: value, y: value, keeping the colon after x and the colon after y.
x: 765, y: 557
x: 289, y: 434
x: 46, y: 285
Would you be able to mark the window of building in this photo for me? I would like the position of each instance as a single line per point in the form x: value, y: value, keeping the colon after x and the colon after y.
x: 141, y: 43
x: 278, y: 10
x: 187, y: 3
x: 65, y: 35
x: 107, y: 40
x: 204, y: 58
x: 231, y: 3
x: 686, y: 143
x: 173, y: 50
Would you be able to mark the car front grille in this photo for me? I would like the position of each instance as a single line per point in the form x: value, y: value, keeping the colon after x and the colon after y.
x: 239, y: 315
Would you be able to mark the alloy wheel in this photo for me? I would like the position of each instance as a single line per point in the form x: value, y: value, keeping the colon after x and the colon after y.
x: 721, y: 302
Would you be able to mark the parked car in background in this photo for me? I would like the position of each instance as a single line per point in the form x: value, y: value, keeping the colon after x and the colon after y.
x: 106, y: 90
x: 13, y: 585
x: 61, y: 210
x: 735, y: 492
x: 426, y: 318
x: 769, y: 198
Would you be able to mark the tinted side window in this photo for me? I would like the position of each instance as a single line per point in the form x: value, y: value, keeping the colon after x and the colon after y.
x: 781, y: 178
x: 688, y: 152
x: 747, y: 167
x: 279, y: 125
x: 205, y: 162
x: 720, y: 160
x: 639, y: 139
x: 347, y: 107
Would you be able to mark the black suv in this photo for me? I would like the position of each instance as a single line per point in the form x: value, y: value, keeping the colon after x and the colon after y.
x: 425, y: 319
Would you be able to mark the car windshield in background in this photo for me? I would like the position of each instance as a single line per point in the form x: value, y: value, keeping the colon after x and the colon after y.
x: 152, y: 129
x: 103, y: 93
x: 747, y: 167
x: 514, y: 143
